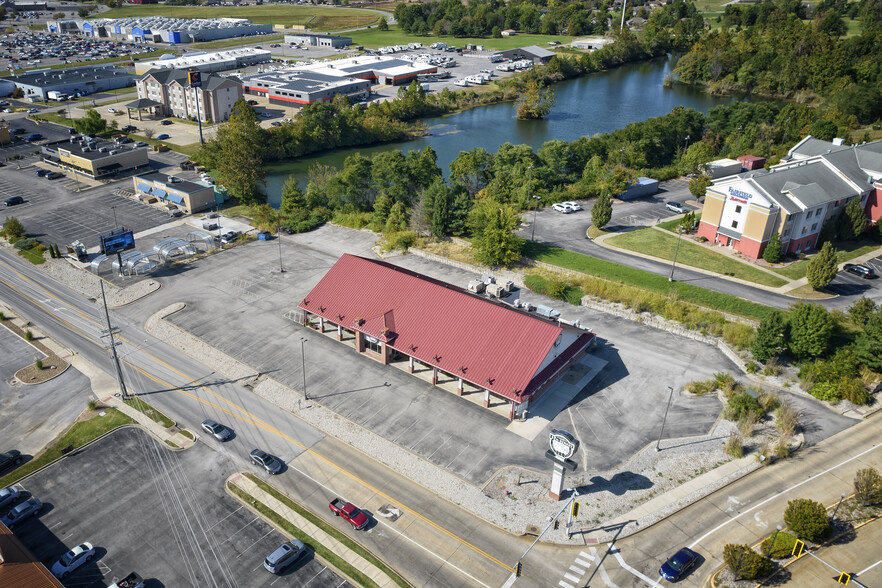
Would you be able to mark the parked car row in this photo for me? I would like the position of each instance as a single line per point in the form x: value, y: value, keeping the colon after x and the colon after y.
x: 567, y: 207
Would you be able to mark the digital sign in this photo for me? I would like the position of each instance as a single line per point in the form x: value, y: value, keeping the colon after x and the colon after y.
x: 119, y: 240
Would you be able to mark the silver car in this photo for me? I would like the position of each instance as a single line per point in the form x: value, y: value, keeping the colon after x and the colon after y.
x: 21, y: 512
x: 271, y: 464
x: 216, y: 430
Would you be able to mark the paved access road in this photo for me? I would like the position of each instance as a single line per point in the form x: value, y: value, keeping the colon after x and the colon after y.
x: 158, y: 512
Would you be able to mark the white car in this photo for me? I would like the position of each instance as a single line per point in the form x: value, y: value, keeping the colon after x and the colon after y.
x: 33, y: 110
x: 73, y: 559
x: 112, y: 110
x: 574, y: 206
x: 561, y: 208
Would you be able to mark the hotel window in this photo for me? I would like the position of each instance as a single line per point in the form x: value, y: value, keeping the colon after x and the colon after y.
x: 738, y: 209
x: 809, y: 214
x: 734, y: 224
x: 804, y: 230
x: 814, y: 226
x: 786, y: 232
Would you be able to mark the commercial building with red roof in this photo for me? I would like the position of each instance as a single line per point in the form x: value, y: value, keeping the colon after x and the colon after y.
x: 400, y: 315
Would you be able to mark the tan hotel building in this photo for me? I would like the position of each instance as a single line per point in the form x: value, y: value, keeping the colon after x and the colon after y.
x: 794, y: 198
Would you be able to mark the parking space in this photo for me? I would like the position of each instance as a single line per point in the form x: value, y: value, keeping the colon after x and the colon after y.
x: 36, y: 49
x: 849, y: 284
x: 160, y: 513
x: 32, y: 415
x: 19, y: 146
x: 53, y: 213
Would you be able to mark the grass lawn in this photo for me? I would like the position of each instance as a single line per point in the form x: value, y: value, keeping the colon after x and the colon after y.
x: 78, y: 435
x: 326, y: 554
x: 329, y: 18
x: 614, y: 272
x: 672, y: 224
x: 844, y: 251
x: 151, y: 412
x: 664, y: 246
x: 373, y: 38
x: 34, y: 256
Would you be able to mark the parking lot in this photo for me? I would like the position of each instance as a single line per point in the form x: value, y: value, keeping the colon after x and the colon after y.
x: 37, y: 49
x: 54, y: 213
x: 32, y: 415
x: 848, y: 284
x: 129, y: 496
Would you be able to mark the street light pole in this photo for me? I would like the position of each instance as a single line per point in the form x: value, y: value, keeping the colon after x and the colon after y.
x: 841, y: 498
x: 113, y: 208
x: 670, y: 397
x: 676, y: 252
x: 279, y: 237
x: 303, y: 364
x: 774, y: 538
x: 687, y: 144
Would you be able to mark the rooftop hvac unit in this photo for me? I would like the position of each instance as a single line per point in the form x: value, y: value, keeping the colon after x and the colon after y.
x: 488, y: 279
x: 102, y: 150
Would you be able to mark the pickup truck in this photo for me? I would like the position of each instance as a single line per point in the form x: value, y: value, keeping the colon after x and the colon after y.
x: 133, y: 580
x: 350, y: 512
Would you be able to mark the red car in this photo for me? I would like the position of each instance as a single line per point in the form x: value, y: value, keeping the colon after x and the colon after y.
x: 350, y: 512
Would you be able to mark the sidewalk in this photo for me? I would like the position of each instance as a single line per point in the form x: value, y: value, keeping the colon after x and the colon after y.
x: 318, y: 535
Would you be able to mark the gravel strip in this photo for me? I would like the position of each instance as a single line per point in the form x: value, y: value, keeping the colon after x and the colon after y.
x: 88, y: 284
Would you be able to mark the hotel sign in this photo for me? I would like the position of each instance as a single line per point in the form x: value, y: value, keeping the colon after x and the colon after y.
x: 739, y: 195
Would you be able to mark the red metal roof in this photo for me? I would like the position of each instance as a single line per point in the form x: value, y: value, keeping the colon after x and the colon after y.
x: 750, y: 158
x: 491, y: 345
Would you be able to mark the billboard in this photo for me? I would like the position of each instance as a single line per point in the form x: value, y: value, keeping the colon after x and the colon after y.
x: 116, y: 241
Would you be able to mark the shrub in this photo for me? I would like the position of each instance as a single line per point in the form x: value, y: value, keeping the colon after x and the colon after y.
x: 868, y: 486
x: 2, y: 316
x: 826, y: 391
x: 556, y: 288
x: 752, y: 367
x: 747, y: 423
x: 703, y: 239
x: 29, y: 336
x: 787, y: 419
x: 783, y: 547
x: 853, y: 390
x: 25, y: 244
x: 808, y: 519
x: 768, y: 400
x: 93, y: 404
x: 742, y: 404
x: 739, y: 335
x: 734, y: 447
x: 745, y: 563
x: 13, y: 228
x: 700, y: 387
x: 782, y: 450
x: 402, y: 240
x: 38, y: 364
x: 772, y: 367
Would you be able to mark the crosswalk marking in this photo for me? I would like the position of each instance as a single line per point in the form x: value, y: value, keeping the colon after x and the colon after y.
x: 588, y: 555
x: 565, y: 585
x: 579, y: 571
x: 571, y: 577
x: 582, y: 562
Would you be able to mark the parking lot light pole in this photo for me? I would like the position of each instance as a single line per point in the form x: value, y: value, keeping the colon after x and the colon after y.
x: 676, y: 252
x: 664, y: 420
x: 113, y: 208
x: 778, y: 529
x: 841, y: 498
x: 279, y: 237
x: 303, y: 364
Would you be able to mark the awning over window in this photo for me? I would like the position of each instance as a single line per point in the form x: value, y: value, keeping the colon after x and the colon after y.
x: 160, y: 193
x: 176, y: 199
x: 144, y: 188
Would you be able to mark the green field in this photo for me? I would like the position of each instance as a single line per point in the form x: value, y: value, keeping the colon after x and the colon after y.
x: 373, y: 38
x: 235, y: 42
x: 643, y: 280
x: 664, y: 245
x: 326, y: 17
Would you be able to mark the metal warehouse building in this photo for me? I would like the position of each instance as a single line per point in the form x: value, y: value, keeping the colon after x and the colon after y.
x: 37, y: 84
x: 318, y: 40
x: 377, y: 69
x: 162, y: 29
x: 392, y: 314
x: 294, y: 87
x: 207, y: 62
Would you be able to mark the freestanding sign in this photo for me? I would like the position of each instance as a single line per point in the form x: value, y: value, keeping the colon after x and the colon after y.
x: 563, y: 447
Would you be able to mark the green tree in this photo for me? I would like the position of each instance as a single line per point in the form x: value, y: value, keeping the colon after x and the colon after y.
x: 745, y: 563
x: 293, y: 197
x: 861, y: 311
x: 868, y: 346
x: 83, y: 12
x: 382, y: 207
x: 772, y: 252
x: 441, y: 198
x: 239, y: 147
x: 822, y: 267
x: 808, y: 519
x: 397, y: 219
x: 868, y: 486
x: 601, y: 212
x: 496, y: 33
x: 696, y: 156
x: 3, y: 14
x: 13, y: 228
x: 383, y: 25
x: 535, y: 100
x: 496, y: 244
x: 810, y: 330
x: 699, y: 184
x: 91, y: 124
x: 853, y: 221
x: 828, y: 230
x: 771, y: 336
x: 471, y: 169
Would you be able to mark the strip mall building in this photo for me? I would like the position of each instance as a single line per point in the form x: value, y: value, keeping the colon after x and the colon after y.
x: 815, y: 182
x: 397, y: 315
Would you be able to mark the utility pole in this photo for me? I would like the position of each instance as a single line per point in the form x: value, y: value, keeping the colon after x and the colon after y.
x: 109, y: 332
x: 303, y: 364
x: 676, y: 252
x: 279, y: 237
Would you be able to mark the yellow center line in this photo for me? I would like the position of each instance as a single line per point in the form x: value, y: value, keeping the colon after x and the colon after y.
x: 245, y: 415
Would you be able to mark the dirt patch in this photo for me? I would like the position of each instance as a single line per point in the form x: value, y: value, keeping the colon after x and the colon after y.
x: 52, y: 364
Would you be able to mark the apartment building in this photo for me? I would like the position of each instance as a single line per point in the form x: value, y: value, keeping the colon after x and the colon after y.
x: 213, y: 101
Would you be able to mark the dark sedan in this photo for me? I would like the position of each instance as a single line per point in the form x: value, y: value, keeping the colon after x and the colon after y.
x: 677, y: 566
x: 860, y: 270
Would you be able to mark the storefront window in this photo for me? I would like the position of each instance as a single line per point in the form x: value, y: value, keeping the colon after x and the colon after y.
x: 372, y: 344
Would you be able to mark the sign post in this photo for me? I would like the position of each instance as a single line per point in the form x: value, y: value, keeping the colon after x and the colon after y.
x: 563, y: 447
x: 194, y: 78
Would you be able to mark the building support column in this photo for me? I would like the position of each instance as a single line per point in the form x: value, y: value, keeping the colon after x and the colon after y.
x: 384, y: 351
x: 511, y: 412
x: 305, y: 318
x: 434, y: 375
x: 459, y: 387
x: 339, y: 332
x: 410, y: 364
x: 359, y: 341
x: 321, y: 324
x: 486, y: 398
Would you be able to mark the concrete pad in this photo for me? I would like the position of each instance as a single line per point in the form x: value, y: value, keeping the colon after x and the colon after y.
x: 558, y: 397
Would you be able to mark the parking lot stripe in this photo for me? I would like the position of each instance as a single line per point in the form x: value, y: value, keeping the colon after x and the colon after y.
x: 248, y: 417
x: 244, y: 551
x: 226, y: 517
x: 314, y: 577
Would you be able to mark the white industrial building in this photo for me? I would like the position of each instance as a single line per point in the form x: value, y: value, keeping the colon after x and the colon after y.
x: 207, y: 62
x: 161, y: 29
x: 378, y: 69
x: 318, y: 40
